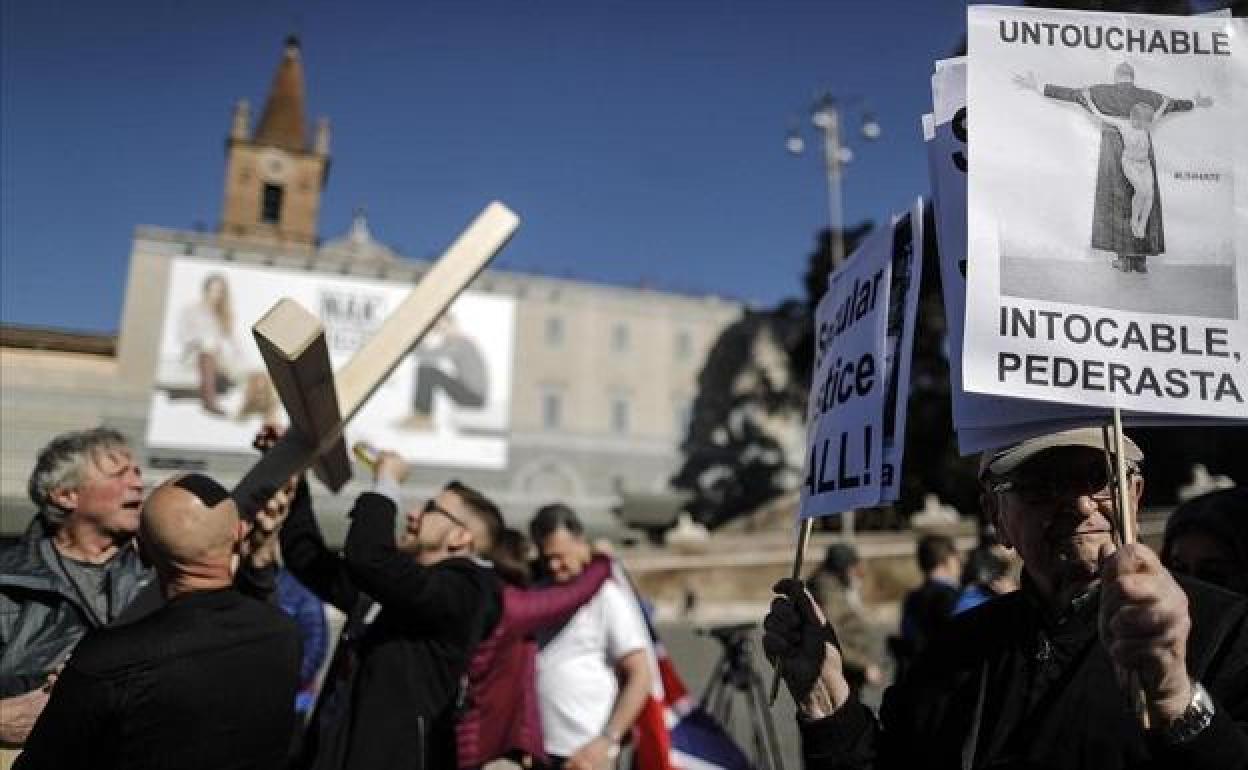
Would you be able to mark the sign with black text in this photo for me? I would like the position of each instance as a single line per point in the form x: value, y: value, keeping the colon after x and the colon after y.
x: 1109, y: 267
x: 846, y: 407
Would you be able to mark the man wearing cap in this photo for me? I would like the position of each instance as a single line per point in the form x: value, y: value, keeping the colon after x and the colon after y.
x: 206, y: 681
x: 1036, y: 678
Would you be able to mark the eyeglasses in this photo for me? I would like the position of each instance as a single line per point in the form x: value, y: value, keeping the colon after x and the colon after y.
x: 1092, y: 481
x: 433, y: 507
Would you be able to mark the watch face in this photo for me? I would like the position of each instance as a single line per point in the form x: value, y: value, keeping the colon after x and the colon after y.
x: 273, y: 166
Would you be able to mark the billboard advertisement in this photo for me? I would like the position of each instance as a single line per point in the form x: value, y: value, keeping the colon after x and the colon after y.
x: 447, y: 403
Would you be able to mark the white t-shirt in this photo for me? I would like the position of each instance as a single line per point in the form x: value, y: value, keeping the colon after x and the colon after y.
x: 576, y: 684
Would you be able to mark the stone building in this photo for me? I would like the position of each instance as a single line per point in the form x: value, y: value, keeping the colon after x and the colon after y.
x: 602, y: 378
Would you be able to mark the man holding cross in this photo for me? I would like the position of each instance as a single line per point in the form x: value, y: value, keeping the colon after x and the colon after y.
x: 415, y: 609
x: 1036, y: 678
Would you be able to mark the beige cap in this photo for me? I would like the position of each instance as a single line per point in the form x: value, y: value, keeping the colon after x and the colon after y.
x: 1002, y: 460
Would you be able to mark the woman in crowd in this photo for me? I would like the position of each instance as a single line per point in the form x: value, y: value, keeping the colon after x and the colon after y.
x: 501, y: 715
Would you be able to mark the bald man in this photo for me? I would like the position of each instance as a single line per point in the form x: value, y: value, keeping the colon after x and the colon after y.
x: 207, y: 681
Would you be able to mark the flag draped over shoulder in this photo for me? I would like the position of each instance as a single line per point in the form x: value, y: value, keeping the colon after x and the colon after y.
x: 673, y: 732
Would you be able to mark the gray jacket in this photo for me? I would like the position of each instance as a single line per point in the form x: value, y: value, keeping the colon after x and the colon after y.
x: 41, y: 617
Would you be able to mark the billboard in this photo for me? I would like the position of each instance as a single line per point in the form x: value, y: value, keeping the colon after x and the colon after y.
x: 447, y: 404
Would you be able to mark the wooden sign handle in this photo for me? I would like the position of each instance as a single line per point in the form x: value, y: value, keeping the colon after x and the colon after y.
x: 803, y: 538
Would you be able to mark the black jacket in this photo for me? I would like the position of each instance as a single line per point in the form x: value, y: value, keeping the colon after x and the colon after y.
x: 207, y: 682
x: 391, y: 695
x: 1005, y: 687
x: 41, y: 616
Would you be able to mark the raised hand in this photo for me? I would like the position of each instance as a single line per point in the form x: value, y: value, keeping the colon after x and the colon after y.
x: 260, y: 547
x: 1027, y: 82
x: 390, y: 466
x: 1144, y: 625
x: 798, y: 639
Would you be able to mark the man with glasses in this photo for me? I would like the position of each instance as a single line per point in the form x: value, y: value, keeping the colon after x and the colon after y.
x: 1039, y: 678
x: 416, y: 604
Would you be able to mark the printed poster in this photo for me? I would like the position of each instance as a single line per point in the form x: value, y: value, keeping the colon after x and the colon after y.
x: 1106, y: 210
x: 446, y: 404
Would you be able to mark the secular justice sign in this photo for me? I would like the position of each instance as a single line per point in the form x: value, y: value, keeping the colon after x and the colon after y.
x: 1108, y: 210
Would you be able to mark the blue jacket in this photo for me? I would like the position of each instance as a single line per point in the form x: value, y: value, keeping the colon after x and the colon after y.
x: 41, y: 617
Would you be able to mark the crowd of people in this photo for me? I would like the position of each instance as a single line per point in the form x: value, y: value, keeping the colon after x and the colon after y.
x: 178, y: 629
x: 147, y: 630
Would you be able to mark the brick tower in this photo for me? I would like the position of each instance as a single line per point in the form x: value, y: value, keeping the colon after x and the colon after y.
x: 273, y: 178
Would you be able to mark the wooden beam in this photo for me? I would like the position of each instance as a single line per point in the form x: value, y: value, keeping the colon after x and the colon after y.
x: 292, y: 343
x: 413, y: 318
x: 320, y: 403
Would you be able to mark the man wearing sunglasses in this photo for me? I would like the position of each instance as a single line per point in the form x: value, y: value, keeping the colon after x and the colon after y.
x: 1036, y: 678
x: 416, y: 603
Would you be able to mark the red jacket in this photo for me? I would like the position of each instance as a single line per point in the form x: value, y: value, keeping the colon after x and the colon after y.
x: 502, y: 717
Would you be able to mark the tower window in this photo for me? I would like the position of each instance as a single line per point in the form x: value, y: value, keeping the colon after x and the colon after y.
x: 271, y: 207
x: 619, y: 414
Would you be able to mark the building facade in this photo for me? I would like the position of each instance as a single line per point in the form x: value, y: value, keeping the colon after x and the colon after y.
x: 599, y: 380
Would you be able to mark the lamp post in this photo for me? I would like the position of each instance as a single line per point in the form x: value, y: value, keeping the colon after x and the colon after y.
x: 826, y: 115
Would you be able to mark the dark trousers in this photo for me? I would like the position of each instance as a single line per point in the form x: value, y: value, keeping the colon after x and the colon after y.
x: 429, y: 377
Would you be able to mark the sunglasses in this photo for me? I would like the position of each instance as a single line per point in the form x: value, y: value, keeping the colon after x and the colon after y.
x: 1093, y: 481
x: 433, y: 507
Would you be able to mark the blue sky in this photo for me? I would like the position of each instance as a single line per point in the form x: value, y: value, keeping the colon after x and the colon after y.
x: 639, y: 141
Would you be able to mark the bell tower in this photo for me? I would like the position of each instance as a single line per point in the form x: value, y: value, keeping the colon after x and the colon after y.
x: 274, y: 176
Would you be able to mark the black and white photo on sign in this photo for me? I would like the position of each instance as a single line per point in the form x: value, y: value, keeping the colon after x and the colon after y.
x: 903, y: 304
x: 1127, y: 157
x: 1080, y: 291
x: 979, y: 419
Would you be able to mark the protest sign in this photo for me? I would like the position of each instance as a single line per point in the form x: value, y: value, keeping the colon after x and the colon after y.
x: 1115, y: 276
x: 846, y: 408
x: 903, y: 304
x: 979, y: 420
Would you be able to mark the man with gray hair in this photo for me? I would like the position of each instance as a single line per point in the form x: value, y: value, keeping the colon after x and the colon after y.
x: 205, y: 682
x: 75, y: 569
x: 78, y: 567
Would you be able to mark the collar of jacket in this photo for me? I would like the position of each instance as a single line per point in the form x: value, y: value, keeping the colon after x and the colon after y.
x: 1075, y: 619
x: 26, y: 566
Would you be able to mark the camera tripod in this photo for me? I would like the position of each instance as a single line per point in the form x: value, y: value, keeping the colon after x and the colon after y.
x: 733, y: 677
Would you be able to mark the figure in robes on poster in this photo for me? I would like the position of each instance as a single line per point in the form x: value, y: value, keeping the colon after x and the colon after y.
x: 1127, y: 166
x: 209, y: 345
x: 453, y: 363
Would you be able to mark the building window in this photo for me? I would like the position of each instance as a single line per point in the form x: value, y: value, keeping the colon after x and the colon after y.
x: 554, y: 331
x: 552, y: 410
x: 684, y: 345
x: 271, y: 207
x: 619, y: 338
x: 683, y: 414
x: 619, y: 414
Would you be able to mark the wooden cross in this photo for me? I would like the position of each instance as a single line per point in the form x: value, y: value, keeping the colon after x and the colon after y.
x: 320, y: 402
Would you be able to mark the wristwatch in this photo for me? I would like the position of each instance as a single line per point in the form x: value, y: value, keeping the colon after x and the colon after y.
x: 613, y: 741
x: 1193, y: 721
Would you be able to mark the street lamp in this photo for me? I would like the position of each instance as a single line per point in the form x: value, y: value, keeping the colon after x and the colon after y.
x: 826, y: 115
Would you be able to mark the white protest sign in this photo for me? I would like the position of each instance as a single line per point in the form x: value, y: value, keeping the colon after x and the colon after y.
x: 1110, y: 265
x: 903, y: 305
x: 947, y: 160
x: 979, y: 419
x: 846, y: 409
